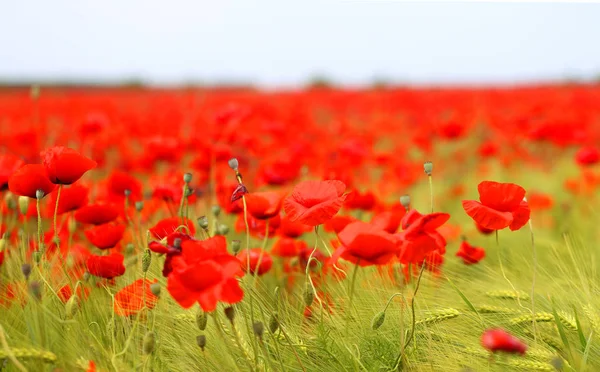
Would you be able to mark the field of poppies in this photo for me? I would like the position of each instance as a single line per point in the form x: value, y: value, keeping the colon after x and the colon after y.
x: 322, y: 229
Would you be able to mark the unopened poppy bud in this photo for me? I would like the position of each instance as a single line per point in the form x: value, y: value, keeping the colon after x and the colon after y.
x: 11, y: 204
x: 177, y: 243
x: 187, y: 177
x: 201, y: 320
x: 236, y: 245
x: 149, y: 342
x: 35, y: 288
x: 203, y: 222
x: 129, y: 248
x: 405, y: 201
x: 273, y: 323
x: 155, y: 289
x: 86, y: 276
x: 216, y: 210
x: 34, y: 92
x: 233, y: 164
x: 309, y: 295
x: 26, y: 270
x: 230, y: 313
x: 146, y: 260
x: 127, y: 192
x: 201, y: 341
x: 39, y: 194
x: 23, y: 204
x: 222, y: 229
x: 72, y: 226
x: 139, y: 206
x: 428, y: 167
x: 378, y: 320
x: 259, y: 329
x: 72, y: 306
x: 37, y: 256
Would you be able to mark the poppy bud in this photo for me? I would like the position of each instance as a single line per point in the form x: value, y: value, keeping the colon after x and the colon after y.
x: 187, y: 177
x: 259, y: 329
x: 428, y: 167
x: 155, y: 289
x: 230, y: 313
x: 35, y: 288
x: 203, y: 222
x: 405, y: 201
x: 189, y: 192
x: 177, y: 243
x: 149, y: 342
x: 39, y: 194
x: 233, y: 164
x: 86, y: 276
x: 309, y: 295
x: 26, y: 270
x: 72, y: 226
x: 273, y: 323
x: 222, y: 229
x: 201, y: 341
x: 236, y: 245
x: 129, y: 248
x: 216, y: 210
x: 34, y: 92
x: 378, y: 320
x: 201, y: 320
x: 146, y: 260
x: 11, y: 204
x: 37, y: 256
x: 72, y: 306
x: 23, y: 204
x: 127, y: 192
x: 139, y: 205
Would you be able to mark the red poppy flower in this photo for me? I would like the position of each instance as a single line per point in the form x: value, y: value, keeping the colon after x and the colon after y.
x: 388, y: 221
x: 420, y: 236
x: 120, y: 182
x: 170, y: 249
x: 65, y: 293
x: 257, y: 227
x: 587, y: 156
x: 168, y: 226
x: 205, y: 273
x: 107, y: 267
x: 264, y: 205
x: 28, y: 179
x: 337, y: 223
x: 1, y: 258
x: 64, y: 165
x: 539, y: 201
x: 496, y: 340
x: 315, y: 202
x: 288, y: 247
x: 71, y: 198
x: 292, y: 229
x: 105, y: 236
x: 8, y: 165
x: 364, y: 201
x: 482, y: 229
x: 501, y: 206
x: 134, y: 297
x: 97, y: 214
x: 260, y: 261
x: 364, y: 244
x: 470, y: 254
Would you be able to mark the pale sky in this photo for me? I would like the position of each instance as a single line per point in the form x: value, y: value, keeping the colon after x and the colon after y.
x: 285, y: 42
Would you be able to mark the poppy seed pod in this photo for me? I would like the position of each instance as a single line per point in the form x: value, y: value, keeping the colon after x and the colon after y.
x: 201, y: 319
x: 230, y: 313
x: 86, y: 276
x: 236, y: 245
x: 176, y: 243
x: 26, y: 270
x: 428, y: 167
x: 139, y: 206
x: 273, y: 323
x: 149, y: 342
x: 129, y: 248
x: 203, y: 222
x: 405, y: 201
x: 127, y: 192
x: 216, y: 210
x: 378, y: 320
x: 309, y: 295
x: 201, y: 341
x: 39, y: 194
x: 146, y: 260
x: 155, y: 289
x: 222, y: 229
x: 187, y: 177
x: 23, y: 204
x: 259, y: 329
x: 37, y: 255
x: 233, y: 164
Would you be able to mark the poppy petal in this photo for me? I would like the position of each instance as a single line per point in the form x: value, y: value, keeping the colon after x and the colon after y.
x: 487, y: 217
x: 520, y: 216
x: 504, y: 197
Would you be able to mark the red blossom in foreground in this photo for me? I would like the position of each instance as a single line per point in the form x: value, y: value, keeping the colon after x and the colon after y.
x: 264, y: 205
x: 315, y: 202
x: 470, y: 254
x: 107, y: 267
x: 28, y: 179
x: 502, y: 205
x: 71, y: 198
x: 171, y: 248
x: 64, y: 165
x: 420, y: 237
x: 496, y: 340
x: 9, y: 164
x: 168, y: 226
x: 364, y: 244
x: 260, y: 261
x: 105, y: 236
x: 134, y: 297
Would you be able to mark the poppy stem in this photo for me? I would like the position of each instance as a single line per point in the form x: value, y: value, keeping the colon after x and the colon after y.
x: 431, y: 191
x: 39, y: 224
x: 262, y: 252
x: 56, y: 241
x: 185, y: 189
x: 533, y: 282
x: 351, y: 295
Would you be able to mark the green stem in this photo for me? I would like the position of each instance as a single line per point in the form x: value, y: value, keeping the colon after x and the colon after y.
x: 431, y: 192
x: 55, y: 217
x: 351, y: 296
x: 39, y: 224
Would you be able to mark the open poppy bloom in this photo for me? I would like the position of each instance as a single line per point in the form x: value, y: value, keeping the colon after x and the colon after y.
x: 120, y: 182
x: 8, y: 165
x: 315, y: 202
x: 363, y: 201
x: 470, y: 254
x: 28, y: 179
x: 107, y: 267
x: 502, y: 205
x: 105, y: 236
x: 264, y: 205
x: 420, y: 236
x: 337, y: 223
x: 496, y: 340
x: 64, y: 165
x: 71, y: 198
x: 364, y: 244
x: 292, y: 229
x: 260, y: 261
x: 205, y: 273
x: 134, y: 297
x: 171, y: 247
x: 288, y: 247
x: 96, y: 214
x: 168, y: 226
